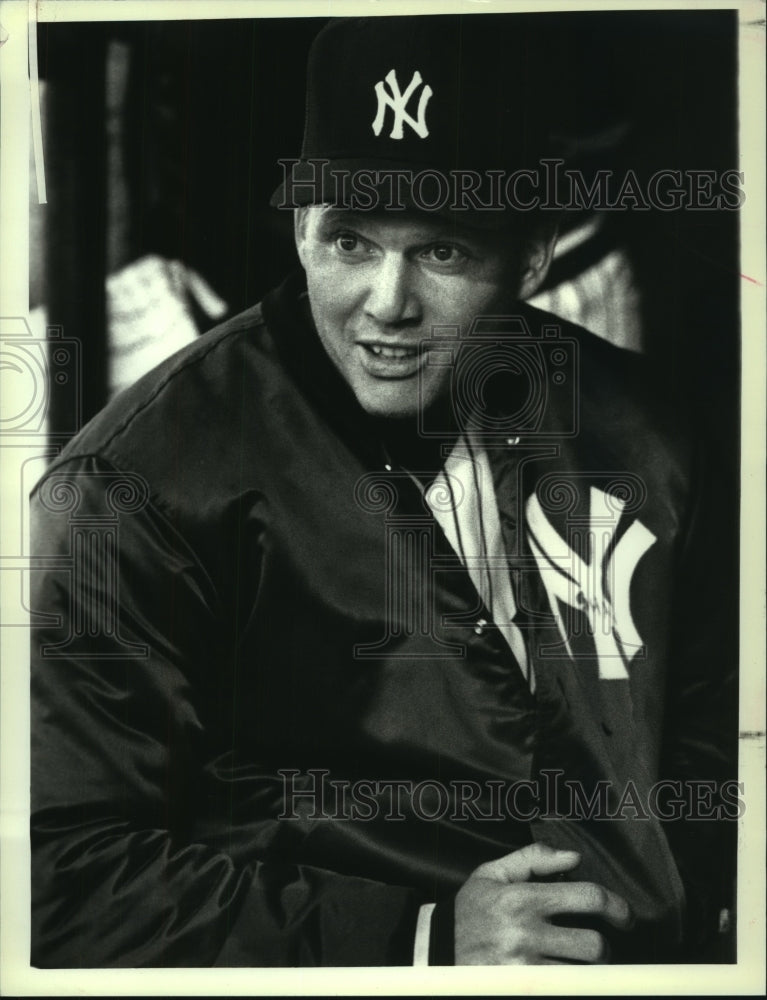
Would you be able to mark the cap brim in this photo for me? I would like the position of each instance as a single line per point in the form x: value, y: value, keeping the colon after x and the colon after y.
x: 394, y: 186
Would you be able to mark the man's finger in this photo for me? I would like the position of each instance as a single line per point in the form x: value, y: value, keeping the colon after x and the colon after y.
x: 588, y: 898
x: 529, y: 862
x: 574, y: 945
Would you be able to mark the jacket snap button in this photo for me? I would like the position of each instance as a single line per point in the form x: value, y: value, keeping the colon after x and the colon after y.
x: 479, y: 628
x: 387, y: 467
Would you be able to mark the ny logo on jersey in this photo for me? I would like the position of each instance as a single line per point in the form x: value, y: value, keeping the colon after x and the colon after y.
x: 598, y: 586
x: 398, y: 102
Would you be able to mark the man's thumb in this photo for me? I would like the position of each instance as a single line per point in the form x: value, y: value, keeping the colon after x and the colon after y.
x: 529, y: 862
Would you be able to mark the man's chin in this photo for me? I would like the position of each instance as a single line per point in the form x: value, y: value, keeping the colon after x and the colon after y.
x: 392, y: 400
x: 389, y: 410
x: 398, y: 399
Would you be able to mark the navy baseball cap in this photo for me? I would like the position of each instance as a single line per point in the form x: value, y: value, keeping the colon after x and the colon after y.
x: 430, y: 112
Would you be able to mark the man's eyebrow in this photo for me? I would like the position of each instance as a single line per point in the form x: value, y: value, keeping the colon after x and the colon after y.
x: 438, y: 228
x: 332, y: 214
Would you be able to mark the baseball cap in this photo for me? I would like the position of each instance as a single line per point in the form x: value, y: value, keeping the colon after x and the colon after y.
x: 432, y: 112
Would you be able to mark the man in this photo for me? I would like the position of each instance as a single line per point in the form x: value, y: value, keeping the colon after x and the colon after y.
x: 360, y: 638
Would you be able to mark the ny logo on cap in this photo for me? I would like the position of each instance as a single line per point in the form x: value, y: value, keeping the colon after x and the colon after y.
x: 398, y: 102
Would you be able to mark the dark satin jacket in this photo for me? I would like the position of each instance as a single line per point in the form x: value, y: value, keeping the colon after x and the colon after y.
x: 241, y: 597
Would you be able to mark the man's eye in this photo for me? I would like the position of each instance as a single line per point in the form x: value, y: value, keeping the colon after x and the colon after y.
x: 347, y: 242
x: 445, y: 253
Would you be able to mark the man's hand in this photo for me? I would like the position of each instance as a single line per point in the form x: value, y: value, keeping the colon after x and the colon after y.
x: 502, y: 915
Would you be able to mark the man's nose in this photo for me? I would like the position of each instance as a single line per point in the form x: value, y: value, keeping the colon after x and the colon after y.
x: 392, y: 298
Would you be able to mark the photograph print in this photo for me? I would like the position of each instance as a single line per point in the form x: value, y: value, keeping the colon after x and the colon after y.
x: 385, y: 542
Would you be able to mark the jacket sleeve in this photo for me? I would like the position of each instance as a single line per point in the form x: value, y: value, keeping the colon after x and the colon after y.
x: 701, y: 726
x: 118, y: 738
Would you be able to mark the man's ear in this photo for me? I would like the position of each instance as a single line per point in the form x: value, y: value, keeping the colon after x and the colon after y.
x: 539, y: 252
x: 299, y: 231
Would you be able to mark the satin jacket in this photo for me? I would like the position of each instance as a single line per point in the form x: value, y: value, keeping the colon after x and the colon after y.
x: 271, y: 713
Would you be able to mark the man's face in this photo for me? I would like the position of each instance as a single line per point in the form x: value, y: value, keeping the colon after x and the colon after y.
x: 379, y: 284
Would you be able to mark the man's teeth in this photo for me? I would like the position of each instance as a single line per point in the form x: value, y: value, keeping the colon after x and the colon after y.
x: 393, y: 352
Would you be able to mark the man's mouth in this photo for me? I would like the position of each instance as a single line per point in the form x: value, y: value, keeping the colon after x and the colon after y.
x: 391, y: 360
x: 392, y: 352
